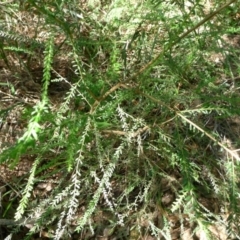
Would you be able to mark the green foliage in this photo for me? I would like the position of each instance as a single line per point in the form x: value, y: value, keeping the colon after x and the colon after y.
x: 140, y: 115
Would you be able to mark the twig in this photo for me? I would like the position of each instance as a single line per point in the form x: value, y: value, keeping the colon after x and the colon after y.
x: 12, y: 222
x: 17, y: 99
x: 153, y: 62
x: 122, y: 133
x: 232, y: 153
x: 111, y: 90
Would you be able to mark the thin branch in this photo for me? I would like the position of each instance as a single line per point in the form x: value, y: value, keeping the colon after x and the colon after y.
x: 232, y: 153
x: 153, y: 62
x: 122, y: 133
x: 12, y: 222
x: 111, y: 90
